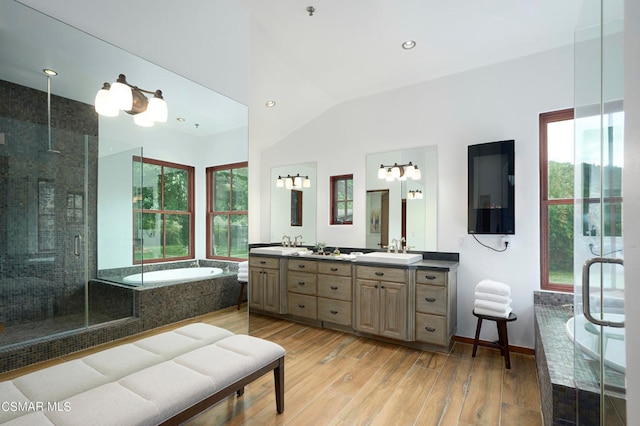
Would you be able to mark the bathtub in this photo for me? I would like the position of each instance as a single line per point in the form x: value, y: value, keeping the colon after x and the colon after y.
x: 587, y: 338
x: 172, y: 275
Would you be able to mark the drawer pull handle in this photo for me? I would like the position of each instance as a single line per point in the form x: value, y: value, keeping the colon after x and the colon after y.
x: 381, y: 286
x: 334, y: 312
x: 379, y: 274
x: 300, y: 306
x: 334, y: 269
x: 430, y: 299
x: 430, y: 329
x: 430, y: 277
x: 262, y: 262
x: 333, y: 287
x: 300, y: 266
x: 300, y: 282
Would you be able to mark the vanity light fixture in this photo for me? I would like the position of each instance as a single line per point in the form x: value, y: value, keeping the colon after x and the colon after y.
x: 296, y: 181
x: 399, y: 172
x: 121, y: 95
x: 414, y: 194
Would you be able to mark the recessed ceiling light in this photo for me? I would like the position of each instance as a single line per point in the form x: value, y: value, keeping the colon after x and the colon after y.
x: 409, y: 44
x: 180, y: 119
x: 47, y: 71
x: 270, y: 104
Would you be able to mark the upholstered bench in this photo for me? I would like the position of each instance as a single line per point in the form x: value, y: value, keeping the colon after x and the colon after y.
x: 166, y: 378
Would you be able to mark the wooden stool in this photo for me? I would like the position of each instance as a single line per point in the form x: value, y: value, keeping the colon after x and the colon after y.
x: 243, y: 285
x: 503, y: 338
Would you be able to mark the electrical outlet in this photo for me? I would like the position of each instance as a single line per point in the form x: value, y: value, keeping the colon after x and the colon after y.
x: 507, y: 241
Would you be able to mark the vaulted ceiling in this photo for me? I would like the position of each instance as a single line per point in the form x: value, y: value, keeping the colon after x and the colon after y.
x: 256, y: 50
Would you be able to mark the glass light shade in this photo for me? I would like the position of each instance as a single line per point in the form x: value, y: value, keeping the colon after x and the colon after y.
x: 306, y: 183
x: 288, y: 183
x: 382, y: 172
x: 409, y: 170
x: 143, y: 120
x: 280, y: 182
x: 410, y: 195
x: 395, y: 172
x: 297, y: 181
x: 121, y: 96
x: 416, y: 174
x: 157, y: 110
x: 104, y: 105
x: 419, y: 195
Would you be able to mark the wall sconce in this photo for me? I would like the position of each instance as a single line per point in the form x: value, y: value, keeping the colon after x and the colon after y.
x: 120, y: 95
x: 399, y: 171
x: 414, y: 195
x: 296, y: 181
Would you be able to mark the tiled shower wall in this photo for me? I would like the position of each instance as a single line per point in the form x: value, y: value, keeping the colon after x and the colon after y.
x: 43, y: 203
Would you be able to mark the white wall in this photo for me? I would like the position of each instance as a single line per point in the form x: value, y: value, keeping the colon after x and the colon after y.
x: 115, y: 181
x: 632, y: 203
x: 493, y: 103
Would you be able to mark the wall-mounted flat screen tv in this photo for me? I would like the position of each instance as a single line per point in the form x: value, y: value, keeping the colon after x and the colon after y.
x: 491, y: 208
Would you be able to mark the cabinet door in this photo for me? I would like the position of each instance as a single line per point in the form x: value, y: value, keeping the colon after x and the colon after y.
x: 255, y: 288
x: 367, y: 303
x: 271, y: 289
x: 393, y: 310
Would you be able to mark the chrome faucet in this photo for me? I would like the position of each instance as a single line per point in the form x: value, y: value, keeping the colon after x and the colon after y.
x: 295, y: 240
x: 403, y: 244
x: 195, y: 264
x: 394, y: 242
x: 286, y: 241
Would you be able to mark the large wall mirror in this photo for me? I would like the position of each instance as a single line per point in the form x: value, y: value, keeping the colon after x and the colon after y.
x: 403, y: 207
x: 293, y: 207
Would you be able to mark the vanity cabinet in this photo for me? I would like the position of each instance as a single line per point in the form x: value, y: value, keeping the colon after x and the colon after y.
x: 435, y: 306
x: 264, y: 283
x: 302, y: 288
x: 334, y: 292
x: 381, y: 301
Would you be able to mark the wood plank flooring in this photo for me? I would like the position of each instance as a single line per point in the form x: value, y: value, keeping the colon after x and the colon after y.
x: 333, y: 378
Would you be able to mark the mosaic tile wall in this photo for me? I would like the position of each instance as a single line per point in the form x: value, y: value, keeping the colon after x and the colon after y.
x: 558, y: 367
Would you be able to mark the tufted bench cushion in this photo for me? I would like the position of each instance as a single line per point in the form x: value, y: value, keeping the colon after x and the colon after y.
x: 153, y: 380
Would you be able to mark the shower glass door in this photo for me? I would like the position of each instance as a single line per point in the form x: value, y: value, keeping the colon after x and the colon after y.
x: 599, y: 344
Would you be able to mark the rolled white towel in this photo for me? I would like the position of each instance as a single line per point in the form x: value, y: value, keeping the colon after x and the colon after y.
x: 493, y: 297
x: 491, y: 305
x: 494, y: 287
x: 492, y: 313
x: 243, y: 277
x: 243, y: 270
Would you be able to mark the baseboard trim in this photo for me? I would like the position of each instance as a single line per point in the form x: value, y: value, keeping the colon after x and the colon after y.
x: 517, y: 349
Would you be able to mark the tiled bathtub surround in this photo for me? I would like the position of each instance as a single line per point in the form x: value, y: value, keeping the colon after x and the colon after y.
x: 152, y: 307
x: 557, y: 368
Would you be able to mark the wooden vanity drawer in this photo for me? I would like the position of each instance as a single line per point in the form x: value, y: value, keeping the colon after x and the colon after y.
x: 334, y: 287
x: 302, y: 305
x: 334, y: 268
x: 302, y: 265
x: 334, y: 311
x: 381, y: 274
x: 264, y: 262
x: 431, y: 299
x: 426, y: 276
x: 431, y: 329
x: 301, y: 282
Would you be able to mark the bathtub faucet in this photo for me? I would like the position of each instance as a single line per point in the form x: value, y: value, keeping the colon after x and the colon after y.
x: 196, y: 264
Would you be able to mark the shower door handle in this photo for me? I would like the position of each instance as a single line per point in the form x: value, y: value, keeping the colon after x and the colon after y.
x: 76, y: 244
x: 586, y: 308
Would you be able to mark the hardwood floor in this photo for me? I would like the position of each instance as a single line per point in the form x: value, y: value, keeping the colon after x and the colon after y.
x: 333, y: 378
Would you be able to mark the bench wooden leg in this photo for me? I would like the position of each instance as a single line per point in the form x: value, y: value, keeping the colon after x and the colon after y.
x: 504, y: 342
x: 477, y: 338
x: 240, y: 392
x: 278, y: 377
x: 242, y: 287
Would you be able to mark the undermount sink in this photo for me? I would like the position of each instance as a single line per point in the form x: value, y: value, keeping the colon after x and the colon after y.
x: 276, y: 250
x: 394, y: 258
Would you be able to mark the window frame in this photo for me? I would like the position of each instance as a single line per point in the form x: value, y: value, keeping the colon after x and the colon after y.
x: 211, y: 204
x: 333, y: 217
x: 190, y: 212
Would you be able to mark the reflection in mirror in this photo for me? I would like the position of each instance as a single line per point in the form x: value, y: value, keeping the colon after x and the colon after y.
x: 403, y: 208
x: 282, y: 204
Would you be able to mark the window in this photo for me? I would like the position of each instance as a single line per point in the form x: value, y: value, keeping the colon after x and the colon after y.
x: 342, y: 200
x: 163, y: 210
x: 227, y: 215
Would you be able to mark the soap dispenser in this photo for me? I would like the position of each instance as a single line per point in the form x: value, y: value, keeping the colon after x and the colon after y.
x: 336, y: 252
